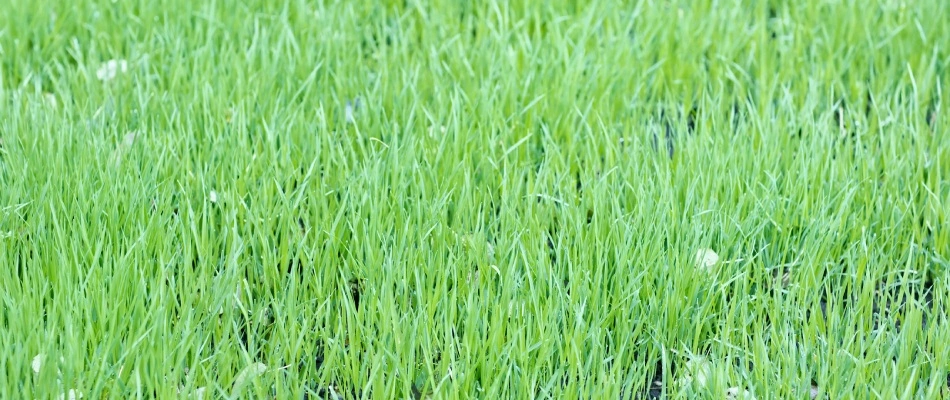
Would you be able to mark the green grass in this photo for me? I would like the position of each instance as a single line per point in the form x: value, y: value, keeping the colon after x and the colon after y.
x: 450, y: 199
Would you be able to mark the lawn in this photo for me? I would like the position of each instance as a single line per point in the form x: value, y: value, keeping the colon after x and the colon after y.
x: 443, y: 199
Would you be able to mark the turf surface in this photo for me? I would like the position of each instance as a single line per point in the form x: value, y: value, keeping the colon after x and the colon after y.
x: 498, y: 199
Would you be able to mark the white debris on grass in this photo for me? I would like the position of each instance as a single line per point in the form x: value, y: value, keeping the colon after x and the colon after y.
x: 352, y: 107
x: 246, y: 375
x: 698, y: 370
x: 213, y: 196
x: 349, y: 113
x: 37, y: 363
x: 431, y: 130
x: 51, y: 100
x: 706, y: 258
x: 112, y: 68
x: 698, y: 373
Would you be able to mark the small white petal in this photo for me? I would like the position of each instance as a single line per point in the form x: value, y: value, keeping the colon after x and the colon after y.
x: 213, y: 196
x: 37, y: 363
x: 111, y: 69
x: 349, y: 113
x: 706, y: 258
x: 51, y: 100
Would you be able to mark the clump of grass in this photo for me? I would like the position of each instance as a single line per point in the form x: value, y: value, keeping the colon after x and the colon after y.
x: 289, y: 199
